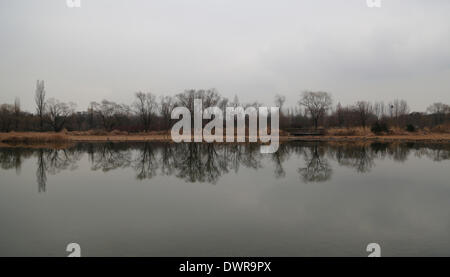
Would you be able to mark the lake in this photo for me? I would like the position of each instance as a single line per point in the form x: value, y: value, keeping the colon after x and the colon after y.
x: 163, y: 199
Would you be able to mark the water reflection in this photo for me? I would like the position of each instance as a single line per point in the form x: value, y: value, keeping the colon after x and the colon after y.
x: 361, y: 158
x: 13, y: 158
x: 317, y: 167
x: 196, y: 162
x: 52, y: 161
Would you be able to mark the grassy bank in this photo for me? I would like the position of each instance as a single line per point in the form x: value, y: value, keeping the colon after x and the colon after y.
x: 350, y: 135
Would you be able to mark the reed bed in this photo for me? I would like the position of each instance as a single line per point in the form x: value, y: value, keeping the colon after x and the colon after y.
x: 32, y: 138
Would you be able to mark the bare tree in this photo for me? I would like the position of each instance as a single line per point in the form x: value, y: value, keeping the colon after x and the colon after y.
x: 91, y: 115
x: 438, y: 108
x: 186, y: 99
x: 39, y: 99
x: 110, y: 113
x: 210, y: 98
x: 167, y: 104
x: 58, y: 112
x: 379, y: 109
x: 339, y: 115
x: 364, y: 110
x: 279, y: 101
x: 438, y: 112
x: 6, y: 117
x: 235, y: 102
x: 16, y: 113
x: 316, y: 104
x: 397, y: 109
x: 145, y: 107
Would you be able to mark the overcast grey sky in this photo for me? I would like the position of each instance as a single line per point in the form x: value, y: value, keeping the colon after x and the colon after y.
x: 253, y: 48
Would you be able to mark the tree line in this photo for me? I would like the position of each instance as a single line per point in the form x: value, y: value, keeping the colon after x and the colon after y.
x: 149, y: 113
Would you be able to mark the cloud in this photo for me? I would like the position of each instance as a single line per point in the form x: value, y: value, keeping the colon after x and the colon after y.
x: 110, y: 49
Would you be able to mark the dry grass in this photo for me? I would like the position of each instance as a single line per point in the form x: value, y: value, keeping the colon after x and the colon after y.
x: 55, y: 140
x: 32, y: 139
x: 89, y: 133
x: 352, y: 131
x: 443, y: 128
x: 398, y: 131
x: 393, y: 131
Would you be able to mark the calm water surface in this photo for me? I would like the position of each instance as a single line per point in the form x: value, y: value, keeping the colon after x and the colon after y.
x: 154, y: 199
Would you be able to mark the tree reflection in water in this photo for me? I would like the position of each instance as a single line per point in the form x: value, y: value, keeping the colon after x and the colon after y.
x: 200, y: 162
x: 278, y: 158
x: 41, y: 172
x: 317, y: 168
x: 145, y: 163
x: 109, y: 156
x: 52, y: 161
x: 359, y: 157
x: 12, y: 158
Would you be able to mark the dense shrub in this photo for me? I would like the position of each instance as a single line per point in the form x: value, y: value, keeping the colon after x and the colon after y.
x: 410, y: 128
x: 379, y: 127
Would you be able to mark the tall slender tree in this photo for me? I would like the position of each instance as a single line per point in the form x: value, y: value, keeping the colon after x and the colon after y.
x: 16, y: 113
x: 39, y: 99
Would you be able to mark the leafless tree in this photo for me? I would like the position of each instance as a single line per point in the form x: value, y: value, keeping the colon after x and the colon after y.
x: 397, y: 109
x: 58, y: 112
x: 166, y: 106
x: 17, y: 112
x: 91, y: 115
x: 379, y: 109
x: 39, y: 99
x: 364, y: 110
x: 145, y: 107
x: 6, y: 117
x: 210, y: 98
x: 438, y: 111
x: 339, y: 115
x: 438, y: 108
x: 279, y: 101
x: 110, y: 113
x: 235, y: 102
x: 316, y: 104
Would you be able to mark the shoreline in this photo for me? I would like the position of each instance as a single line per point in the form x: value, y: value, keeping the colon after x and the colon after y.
x: 432, y: 138
x: 32, y: 139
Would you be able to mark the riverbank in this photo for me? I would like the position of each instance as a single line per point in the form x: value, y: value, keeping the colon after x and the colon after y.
x: 62, y: 138
x: 434, y: 138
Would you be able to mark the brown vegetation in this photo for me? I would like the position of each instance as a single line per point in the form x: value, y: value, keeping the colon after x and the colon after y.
x: 30, y: 138
x: 393, y: 131
x: 357, y: 134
